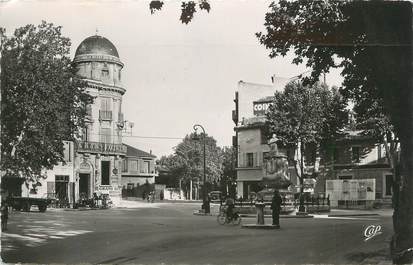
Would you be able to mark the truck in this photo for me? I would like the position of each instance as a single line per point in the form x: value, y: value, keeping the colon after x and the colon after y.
x: 25, y: 203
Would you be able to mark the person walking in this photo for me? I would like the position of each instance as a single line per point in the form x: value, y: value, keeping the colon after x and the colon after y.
x: 276, y: 208
x: 4, y: 215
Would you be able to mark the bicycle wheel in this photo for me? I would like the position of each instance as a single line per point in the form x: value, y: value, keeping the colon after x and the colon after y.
x: 236, y: 220
x: 221, y: 218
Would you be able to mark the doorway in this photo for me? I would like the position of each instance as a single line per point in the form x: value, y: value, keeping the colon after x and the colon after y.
x: 388, y: 184
x: 105, y: 172
x: 61, y: 188
x: 84, y: 184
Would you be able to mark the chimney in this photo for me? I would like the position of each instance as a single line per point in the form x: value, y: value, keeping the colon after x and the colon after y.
x: 150, y: 152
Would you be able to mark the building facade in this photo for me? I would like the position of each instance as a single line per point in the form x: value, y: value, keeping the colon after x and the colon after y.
x: 251, y: 101
x: 357, y: 157
x: 99, y: 162
x: 354, y: 157
x: 99, y: 155
x: 138, y: 168
x: 58, y: 183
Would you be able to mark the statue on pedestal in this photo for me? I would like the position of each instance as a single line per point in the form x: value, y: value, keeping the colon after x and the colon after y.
x: 275, y: 167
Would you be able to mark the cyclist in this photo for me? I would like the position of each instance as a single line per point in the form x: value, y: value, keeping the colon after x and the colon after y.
x: 230, y: 204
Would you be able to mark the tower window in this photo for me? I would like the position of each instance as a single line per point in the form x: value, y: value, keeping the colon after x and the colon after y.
x: 105, y: 73
x: 250, y: 159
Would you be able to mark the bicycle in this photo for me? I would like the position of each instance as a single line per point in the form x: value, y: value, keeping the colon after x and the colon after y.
x: 222, y: 218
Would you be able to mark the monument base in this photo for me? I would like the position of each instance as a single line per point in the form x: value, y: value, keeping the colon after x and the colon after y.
x: 301, y: 213
x: 264, y: 226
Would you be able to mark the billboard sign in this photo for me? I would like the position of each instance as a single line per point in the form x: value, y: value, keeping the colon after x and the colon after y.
x: 260, y: 108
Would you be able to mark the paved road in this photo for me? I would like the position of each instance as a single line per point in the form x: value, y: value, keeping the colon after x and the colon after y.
x: 170, y: 233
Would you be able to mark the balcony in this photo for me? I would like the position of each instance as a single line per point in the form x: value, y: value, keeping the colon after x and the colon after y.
x: 101, y: 148
x: 105, y: 115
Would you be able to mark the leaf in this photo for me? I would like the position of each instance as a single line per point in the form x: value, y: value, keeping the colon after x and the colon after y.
x: 155, y: 5
x: 187, y: 11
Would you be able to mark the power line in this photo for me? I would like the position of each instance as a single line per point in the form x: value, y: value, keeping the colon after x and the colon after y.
x: 141, y: 136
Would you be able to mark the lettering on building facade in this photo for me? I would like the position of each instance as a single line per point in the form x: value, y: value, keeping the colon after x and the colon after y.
x: 97, y: 147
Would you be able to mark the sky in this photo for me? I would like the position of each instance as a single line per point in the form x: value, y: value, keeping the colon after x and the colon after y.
x: 176, y: 75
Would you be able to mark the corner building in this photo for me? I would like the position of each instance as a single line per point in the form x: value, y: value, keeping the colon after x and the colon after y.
x: 99, y: 154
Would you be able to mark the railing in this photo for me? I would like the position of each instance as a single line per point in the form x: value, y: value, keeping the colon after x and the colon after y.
x: 98, y: 147
x: 105, y: 115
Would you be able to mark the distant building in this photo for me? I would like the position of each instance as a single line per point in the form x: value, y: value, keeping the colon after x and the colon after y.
x: 357, y: 157
x: 138, y: 168
x: 354, y: 156
x: 251, y: 101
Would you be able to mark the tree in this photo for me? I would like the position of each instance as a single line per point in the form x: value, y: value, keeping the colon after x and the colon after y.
x: 188, y: 8
x: 371, y: 42
x: 229, y: 174
x: 191, y: 148
x: 305, y: 120
x: 43, y: 103
x: 187, y: 161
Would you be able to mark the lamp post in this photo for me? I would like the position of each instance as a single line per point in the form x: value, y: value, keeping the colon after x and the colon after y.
x: 205, y: 202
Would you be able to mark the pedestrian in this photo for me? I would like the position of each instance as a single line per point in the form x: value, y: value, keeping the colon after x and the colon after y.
x: 276, y: 208
x: 4, y: 215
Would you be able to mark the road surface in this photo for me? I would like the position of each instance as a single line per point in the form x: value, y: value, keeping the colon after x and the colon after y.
x: 170, y: 233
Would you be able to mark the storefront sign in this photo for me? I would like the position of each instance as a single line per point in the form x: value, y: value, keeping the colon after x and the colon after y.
x: 97, y: 147
x: 260, y: 108
x: 112, y: 190
x: 107, y: 187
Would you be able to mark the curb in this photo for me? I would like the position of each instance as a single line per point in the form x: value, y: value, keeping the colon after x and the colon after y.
x: 264, y: 227
x: 204, y: 214
x: 281, y: 216
x: 356, y: 214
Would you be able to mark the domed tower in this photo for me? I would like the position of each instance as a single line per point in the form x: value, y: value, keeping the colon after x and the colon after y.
x: 99, y: 153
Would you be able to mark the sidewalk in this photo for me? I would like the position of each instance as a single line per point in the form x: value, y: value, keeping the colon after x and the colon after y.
x: 350, y: 212
x: 134, y: 199
x: 336, y: 213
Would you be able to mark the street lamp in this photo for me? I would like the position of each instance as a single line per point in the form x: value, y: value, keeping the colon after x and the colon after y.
x: 205, y: 202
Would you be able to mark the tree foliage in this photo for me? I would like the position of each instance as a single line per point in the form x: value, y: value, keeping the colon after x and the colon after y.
x: 229, y: 173
x: 371, y: 42
x: 346, y: 35
x: 186, y: 164
x: 42, y: 100
x: 188, y: 8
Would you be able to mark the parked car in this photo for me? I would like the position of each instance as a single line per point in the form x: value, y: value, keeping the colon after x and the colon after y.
x: 25, y: 203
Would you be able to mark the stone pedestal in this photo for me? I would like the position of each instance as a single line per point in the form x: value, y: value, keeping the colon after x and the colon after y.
x: 259, y: 206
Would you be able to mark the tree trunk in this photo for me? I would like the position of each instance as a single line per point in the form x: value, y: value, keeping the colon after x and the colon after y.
x: 402, y: 241
x: 190, y: 190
